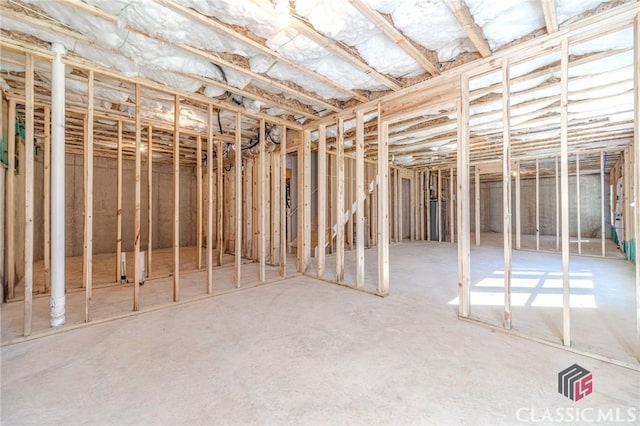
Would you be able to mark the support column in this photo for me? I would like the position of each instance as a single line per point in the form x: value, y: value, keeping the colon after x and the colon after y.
x: 137, y: 234
x: 11, y: 201
x: 412, y: 208
x: 340, y: 224
x: 506, y: 192
x: 564, y: 182
x: 422, y: 199
x: 149, y: 199
x: 395, y: 173
x: 578, y: 204
x: 262, y: 206
x: 88, y: 201
x: 428, y: 196
x: 451, y: 209
x: 518, y: 215
x: 464, y: 238
x: 220, y: 201
x: 557, y: 207
x: 383, y: 205
x: 176, y: 200
x: 537, y: 204
x: 603, y: 232
x: 28, y: 192
x: 477, y: 204
x: 361, y: 195
x: 306, y: 198
x: 322, y: 198
x: 209, y: 199
x: 238, y: 199
x: 439, y: 212
x: 47, y: 198
x: 199, y: 202
x: 283, y: 201
x: 57, y: 301
x: 119, y: 205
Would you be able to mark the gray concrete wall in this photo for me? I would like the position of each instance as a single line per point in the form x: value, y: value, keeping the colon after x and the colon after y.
x: 491, y: 218
x: 105, y: 207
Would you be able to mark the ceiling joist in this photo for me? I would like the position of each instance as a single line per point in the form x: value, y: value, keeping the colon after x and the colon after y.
x: 464, y: 17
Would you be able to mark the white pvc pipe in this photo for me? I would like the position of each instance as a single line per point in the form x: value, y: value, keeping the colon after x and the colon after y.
x: 57, y: 187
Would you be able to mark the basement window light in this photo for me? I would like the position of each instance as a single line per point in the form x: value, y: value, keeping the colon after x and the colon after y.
x: 522, y: 300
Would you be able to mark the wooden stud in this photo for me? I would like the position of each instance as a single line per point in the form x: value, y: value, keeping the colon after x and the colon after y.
x: 550, y: 15
x: 636, y: 167
x: 220, y: 201
x: 602, y: 197
x: 209, y: 255
x: 557, y: 175
x: 428, y: 204
x: 578, y: 204
x: 176, y: 200
x: 477, y: 204
x: 199, y: 202
x: 451, y: 206
x: 322, y: 198
x: 383, y: 205
x: 262, y: 219
x: 238, y: 204
x: 439, y: 213
x: 422, y: 207
x: 412, y: 208
x: 149, y: 200
x: 361, y: 195
x: 28, y: 192
x: 275, y: 208
x: 88, y: 200
x: 464, y: 238
x: 400, y: 206
x: 537, y: 205
x: 518, y: 210
x: 506, y: 192
x: 306, y: 198
x: 340, y: 225
x: 137, y: 235
x: 11, y: 201
x: 119, y: 205
x: 47, y: 198
x: 395, y: 173
x: 349, y: 181
x: 564, y: 187
x: 283, y: 201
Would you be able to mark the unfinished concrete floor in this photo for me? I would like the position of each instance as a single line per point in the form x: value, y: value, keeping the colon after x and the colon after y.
x: 302, y: 351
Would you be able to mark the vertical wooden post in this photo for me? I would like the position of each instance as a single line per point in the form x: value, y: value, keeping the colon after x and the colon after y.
x: 428, y: 204
x: 636, y: 167
x: 138, y: 167
x: 119, y: 205
x: 396, y: 204
x: 537, y: 204
x: 349, y: 198
x: 220, y: 201
x: 383, y: 205
x: 464, y: 238
x: 578, y: 204
x: 11, y: 200
x: 262, y: 201
x: 439, y: 213
x: 199, y: 201
x: 306, y: 199
x: 506, y: 192
x: 564, y: 182
x: 340, y: 203
x: 603, y: 232
x: 518, y: 221
x: 238, y: 190
x: 322, y: 197
x: 275, y: 208
x: 412, y: 207
x: 451, y: 204
x: 209, y: 199
x: 283, y: 201
x: 47, y: 198
x: 361, y: 195
x: 477, y: 204
x: 28, y: 192
x: 176, y: 200
x: 88, y: 201
x: 149, y: 199
x: 557, y: 207
x: 422, y: 200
